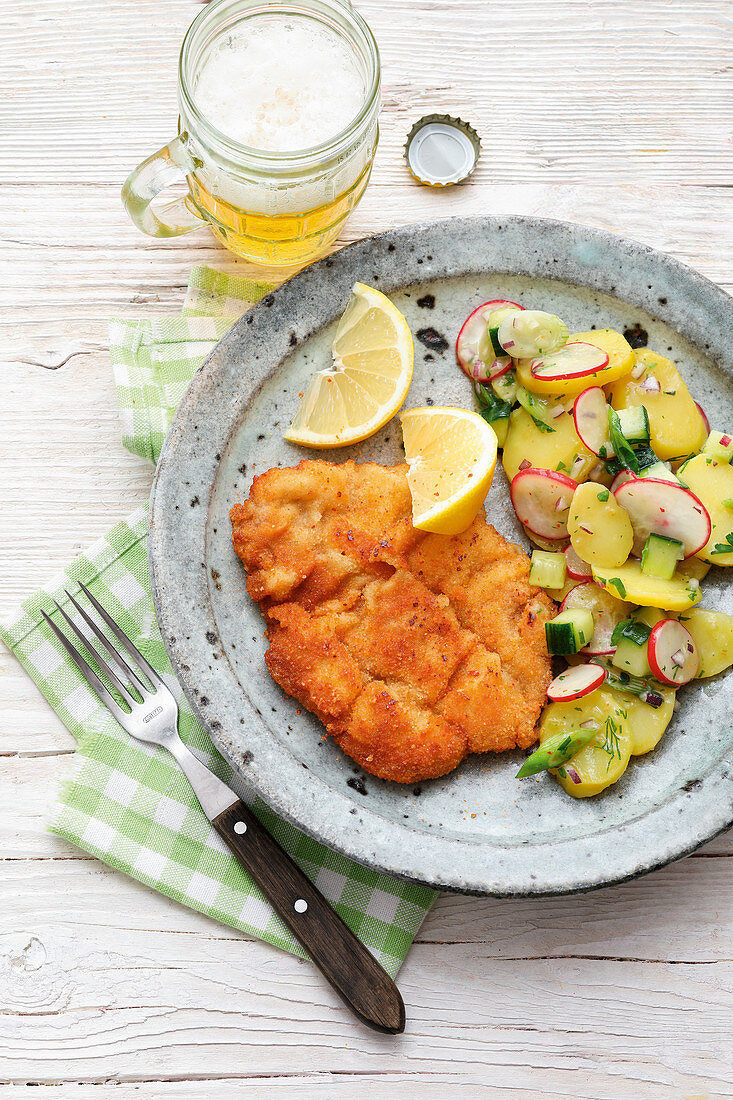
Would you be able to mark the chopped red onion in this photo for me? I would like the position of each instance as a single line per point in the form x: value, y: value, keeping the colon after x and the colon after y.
x: 650, y: 385
x: 525, y: 464
x: 678, y: 658
x: 587, y: 530
x: 572, y: 773
x: 561, y: 503
x: 557, y: 411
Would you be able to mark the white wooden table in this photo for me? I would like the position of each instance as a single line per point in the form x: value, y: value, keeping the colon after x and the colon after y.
x: 608, y: 112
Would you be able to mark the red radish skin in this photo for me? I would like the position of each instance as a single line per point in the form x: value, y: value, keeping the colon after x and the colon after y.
x: 664, y: 508
x: 705, y: 420
x: 500, y: 367
x: 576, y: 568
x: 590, y: 413
x: 575, y: 682
x: 468, y: 340
x: 541, y: 500
x: 571, y: 361
x: 621, y: 478
x: 673, y: 656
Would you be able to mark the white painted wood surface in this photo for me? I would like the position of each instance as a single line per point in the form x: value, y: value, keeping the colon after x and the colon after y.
x: 615, y: 113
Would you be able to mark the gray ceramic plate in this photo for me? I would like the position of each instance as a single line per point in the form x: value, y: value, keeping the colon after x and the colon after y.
x: 478, y: 829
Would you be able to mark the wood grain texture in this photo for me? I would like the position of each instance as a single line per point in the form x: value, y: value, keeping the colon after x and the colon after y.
x: 614, y: 113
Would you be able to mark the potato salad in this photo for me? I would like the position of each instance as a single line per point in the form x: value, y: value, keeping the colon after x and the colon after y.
x: 627, y: 495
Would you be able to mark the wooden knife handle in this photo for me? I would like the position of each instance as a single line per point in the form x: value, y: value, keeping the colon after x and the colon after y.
x: 340, y: 956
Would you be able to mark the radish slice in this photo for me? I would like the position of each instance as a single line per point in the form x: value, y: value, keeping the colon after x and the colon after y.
x: 664, y: 508
x: 575, y: 682
x: 474, y: 352
x: 576, y: 568
x: 541, y: 499
x: 590, y: 413
x: 570, y: 361
x: 621, y: 478
x: 500, y: 366
x: 705, y: 420
x: 607, y: 613
x: 555, y: 546
x: 673, y: 656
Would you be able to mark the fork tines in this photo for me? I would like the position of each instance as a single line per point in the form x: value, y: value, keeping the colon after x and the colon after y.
x: 118, y: 670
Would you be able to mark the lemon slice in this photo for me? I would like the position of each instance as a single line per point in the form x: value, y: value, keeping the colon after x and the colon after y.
x: 373, y: 356
x: 451, y: 454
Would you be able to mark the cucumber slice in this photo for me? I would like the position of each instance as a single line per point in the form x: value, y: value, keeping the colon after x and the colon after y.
x: 495, y: 319
x: 569, y: 631
x: 673, y: 656
x: 631, y: 638
x: 634, y: 425
x: 474, y: 350
x: 543, y: 410
x: 529, y: 332
x: 547, y: 569
x: 660, y: 556
x: 719, y: 445
x: 659, y: 471
x: 607, y: 612
x: 505, y: 386
x: 542, y: 499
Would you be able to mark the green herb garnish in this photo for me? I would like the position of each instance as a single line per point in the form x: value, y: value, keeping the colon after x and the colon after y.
x: 619, y: 585
x: 632, y: 630
x: 490, y: 406
x: 624, y: 451
x: 603, y: 496
x: 724, y: 547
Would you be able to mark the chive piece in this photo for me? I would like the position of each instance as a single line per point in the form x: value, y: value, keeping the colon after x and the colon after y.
x: 603, y: 496
x: 556, y: 751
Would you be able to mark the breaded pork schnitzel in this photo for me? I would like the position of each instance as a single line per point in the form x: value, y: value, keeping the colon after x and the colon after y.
x: 413, y: 649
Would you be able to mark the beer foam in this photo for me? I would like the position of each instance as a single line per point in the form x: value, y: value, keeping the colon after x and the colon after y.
x: 280, y: 84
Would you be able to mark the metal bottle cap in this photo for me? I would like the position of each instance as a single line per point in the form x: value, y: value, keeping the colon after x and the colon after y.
x: 441, y: 150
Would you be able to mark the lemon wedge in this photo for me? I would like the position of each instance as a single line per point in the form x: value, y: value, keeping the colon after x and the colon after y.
x: 451, y: 455
x: 373, y: 356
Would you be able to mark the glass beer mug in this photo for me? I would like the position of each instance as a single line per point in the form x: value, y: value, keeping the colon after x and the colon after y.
x: 279, y: 208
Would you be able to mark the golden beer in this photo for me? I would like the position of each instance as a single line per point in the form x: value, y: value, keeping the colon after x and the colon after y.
x: 278, y: 129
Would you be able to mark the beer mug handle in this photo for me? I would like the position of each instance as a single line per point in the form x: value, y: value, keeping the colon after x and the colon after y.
x: 170, y: 219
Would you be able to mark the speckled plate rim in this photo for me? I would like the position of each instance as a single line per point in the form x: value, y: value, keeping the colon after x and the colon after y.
x: 575, y: 254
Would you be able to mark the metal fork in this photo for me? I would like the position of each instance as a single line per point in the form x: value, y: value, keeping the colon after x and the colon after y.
x: 153, y: 716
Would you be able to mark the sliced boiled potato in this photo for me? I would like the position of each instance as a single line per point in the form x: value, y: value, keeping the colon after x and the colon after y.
x: 712, y: 633
x: 712, y: 481
x: 627, y: 582
x: 646, y: 724
x: 694, y: 568
x: 600, y: 529
x: 560, y: 449
x: 620, y: 362
x: 602, y: 761
x: 559, y: 594
x: 676, y: 426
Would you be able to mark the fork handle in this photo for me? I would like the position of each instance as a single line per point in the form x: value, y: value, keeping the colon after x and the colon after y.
x: 340, y: 956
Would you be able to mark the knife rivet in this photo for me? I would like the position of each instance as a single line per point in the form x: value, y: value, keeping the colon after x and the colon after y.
x: 300, y: 906
x: 240, y: 827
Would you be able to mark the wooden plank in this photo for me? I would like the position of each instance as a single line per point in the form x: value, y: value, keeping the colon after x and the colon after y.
x: 611, y: 89
x: 681, y: 913
x: 89, y: 1001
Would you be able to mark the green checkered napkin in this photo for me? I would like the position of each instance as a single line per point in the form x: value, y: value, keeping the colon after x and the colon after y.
x: 128, y: 803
